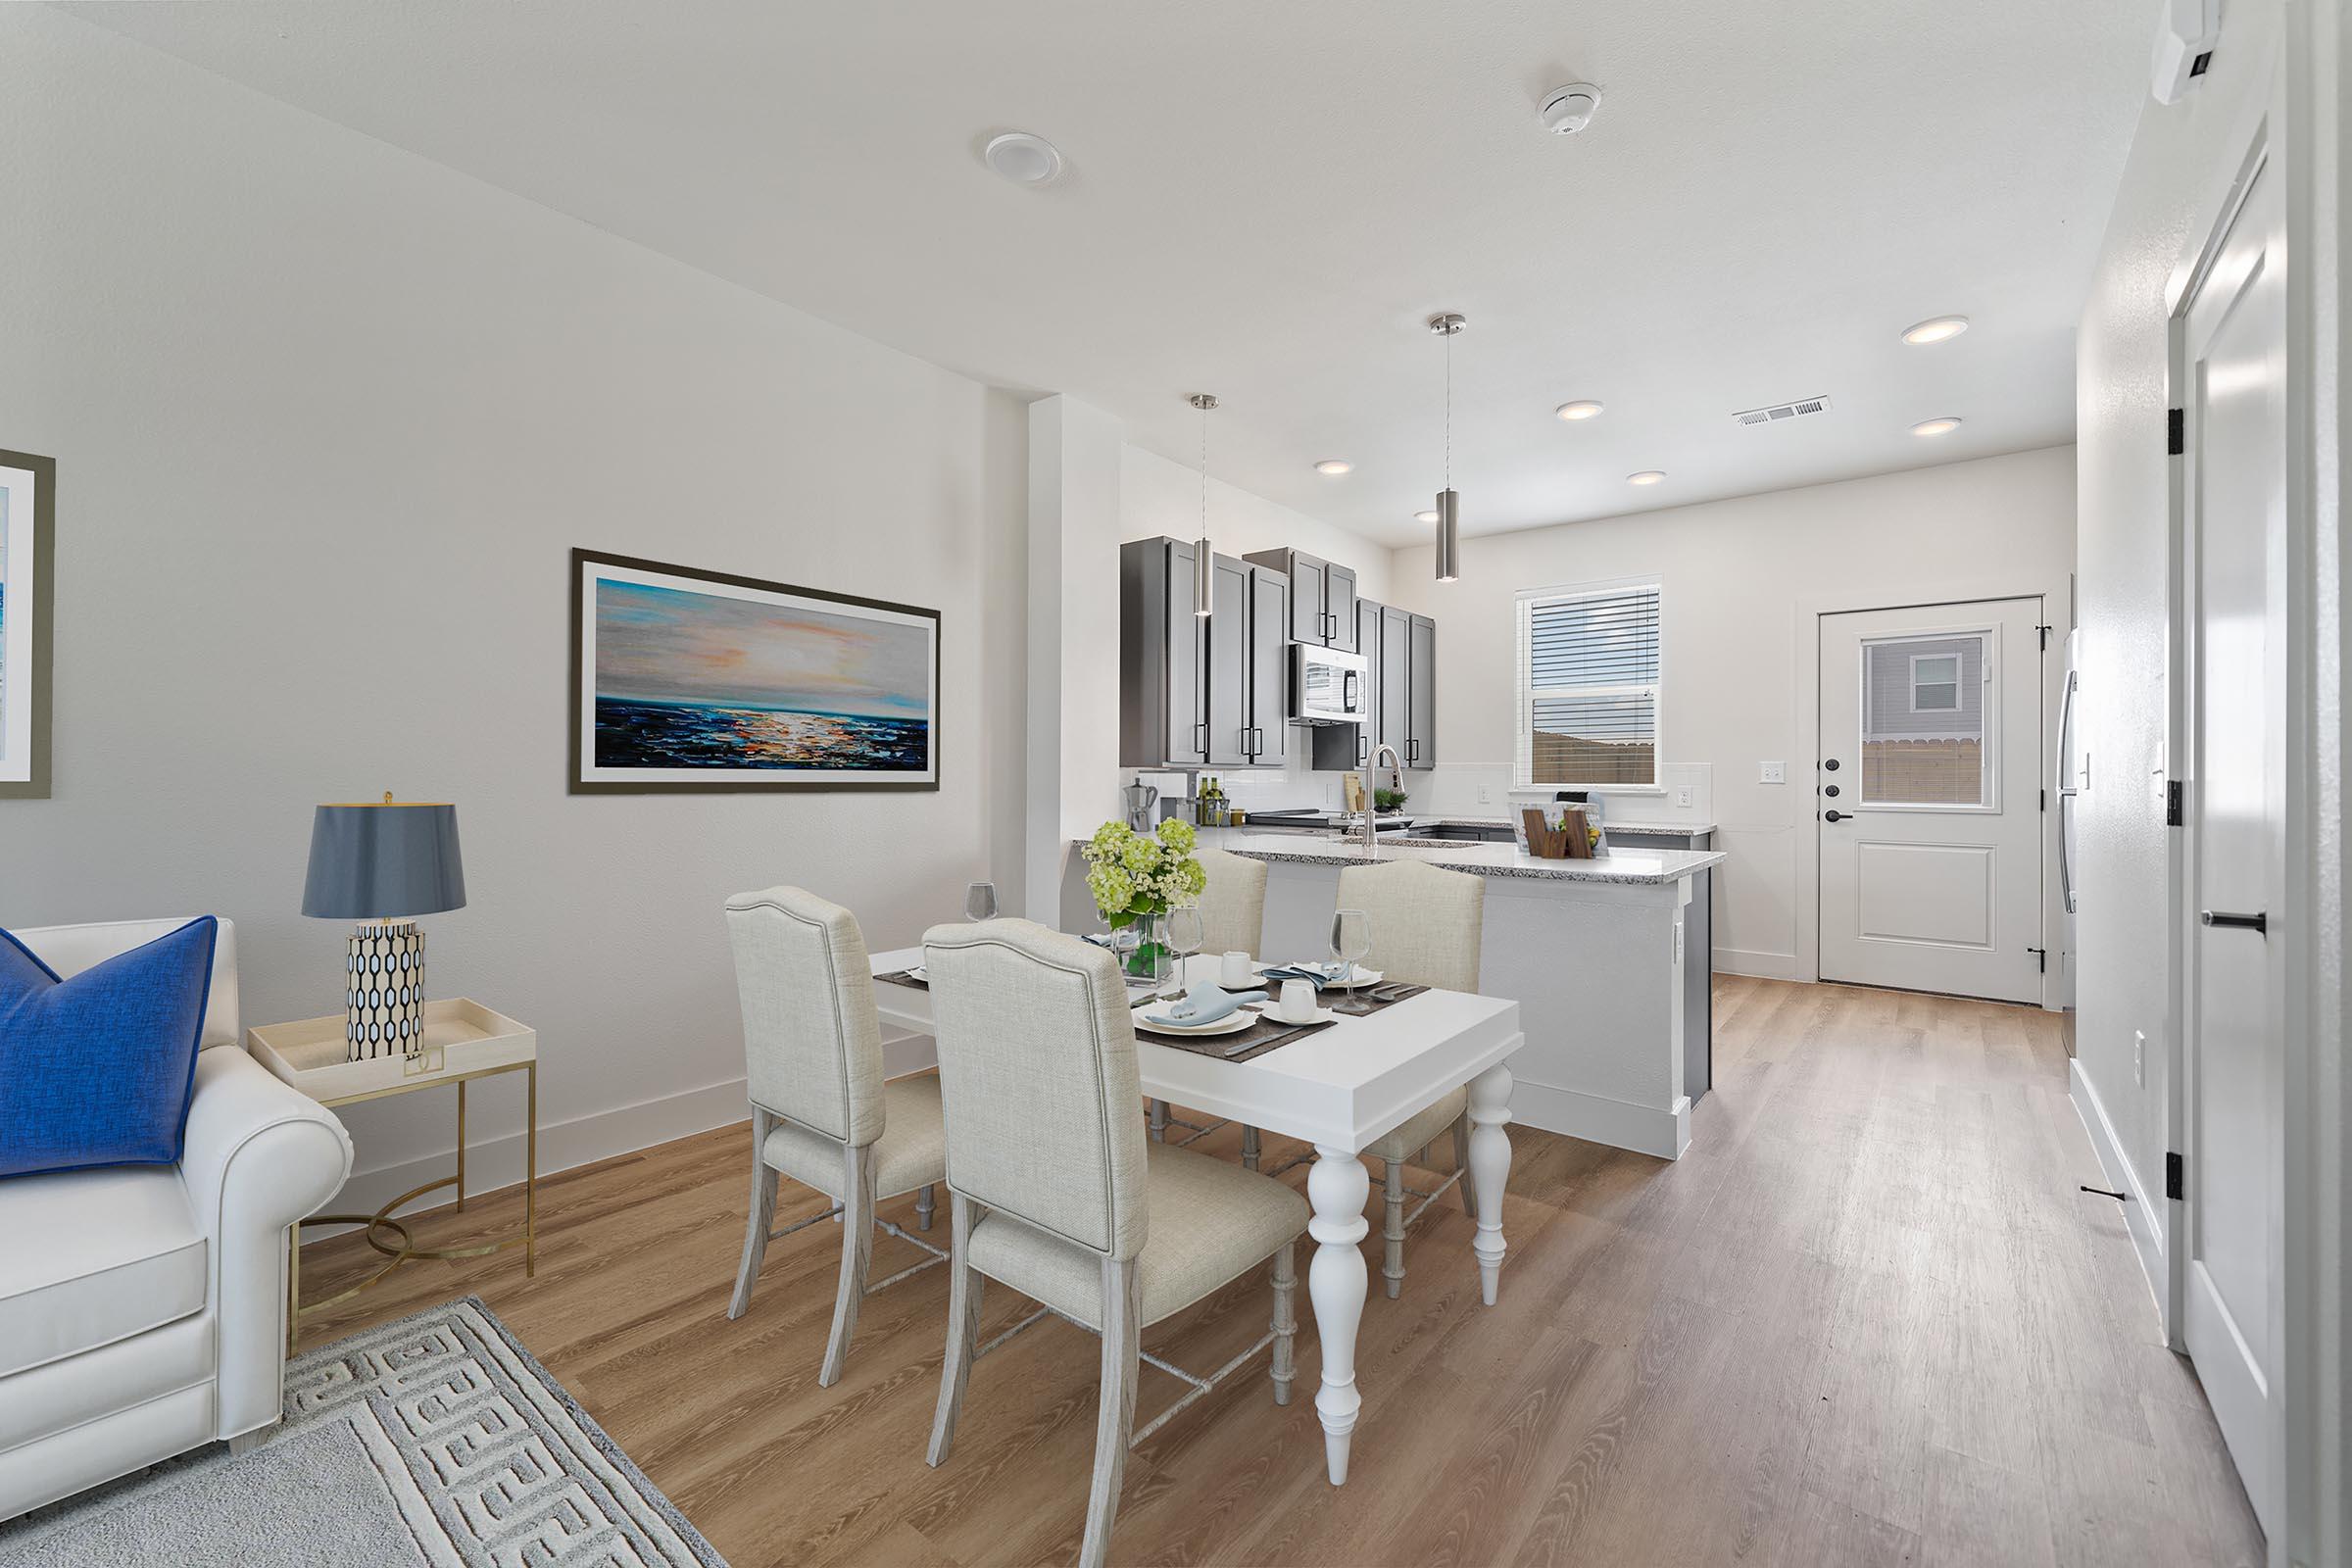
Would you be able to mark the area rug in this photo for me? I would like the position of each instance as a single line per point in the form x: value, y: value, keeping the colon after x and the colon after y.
x: 436, y: 1441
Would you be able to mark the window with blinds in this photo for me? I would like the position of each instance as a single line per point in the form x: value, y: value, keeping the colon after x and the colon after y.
x: 1588, y: 686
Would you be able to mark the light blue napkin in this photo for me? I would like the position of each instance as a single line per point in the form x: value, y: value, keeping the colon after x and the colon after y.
x: 1318, y: 975
x: 1204, y: 1004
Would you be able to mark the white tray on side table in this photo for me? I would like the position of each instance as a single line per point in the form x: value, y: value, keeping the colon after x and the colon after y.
x: 462, y: 1039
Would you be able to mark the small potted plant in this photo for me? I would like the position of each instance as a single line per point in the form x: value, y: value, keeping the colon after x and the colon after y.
x: 1136, y: 878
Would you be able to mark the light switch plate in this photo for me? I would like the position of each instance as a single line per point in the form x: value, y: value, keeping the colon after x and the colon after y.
x: 1771, y: 773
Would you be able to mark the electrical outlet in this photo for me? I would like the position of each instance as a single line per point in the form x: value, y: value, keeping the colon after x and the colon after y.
x: 1771, y: 773
x: 1682, y: 797
x: 2139, y: 1058
x: 1486, y: 794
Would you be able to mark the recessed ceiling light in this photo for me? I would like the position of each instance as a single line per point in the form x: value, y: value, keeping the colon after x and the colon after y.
x: 1645, y: 476
x: 1581, y: 409
x: 1936, y: 330
x: 1022, y: 157
x: 1425, y: 517
x: 1335, y: 466
x: 1942, y: 426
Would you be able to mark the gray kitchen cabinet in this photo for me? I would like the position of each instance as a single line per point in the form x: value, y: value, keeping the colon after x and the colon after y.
x: 1225, y: 671
x: 1201, y: 693
x: 1269, y: 665
x: 1339, y: 747
x: 1322, y: 596
x: 1420, y: 746
x: 1698, y: 955
x: 1396, y: 678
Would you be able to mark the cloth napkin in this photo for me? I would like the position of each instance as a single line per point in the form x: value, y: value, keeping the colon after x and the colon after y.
x: 1318, y: 975
x: 1204, y: 1004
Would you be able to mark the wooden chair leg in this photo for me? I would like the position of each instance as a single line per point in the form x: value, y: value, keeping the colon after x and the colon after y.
x: 1461, y: 1162
x: 1392, y: 1264
x: 1285, y: 1319
x: 763, y: 1214
x: 926, y: 1205
x: 1251, y: 1149
x: 856, y: 1252
x: 1122, y: 1357
x: 964, y: 1285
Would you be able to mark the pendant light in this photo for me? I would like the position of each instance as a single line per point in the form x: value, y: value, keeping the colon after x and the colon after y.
x: 1205, y: 568
x: 1449, y: 506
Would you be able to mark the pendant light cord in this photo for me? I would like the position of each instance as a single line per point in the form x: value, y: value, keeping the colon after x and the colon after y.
x: 1449, y: 410
x: 1205, y: 474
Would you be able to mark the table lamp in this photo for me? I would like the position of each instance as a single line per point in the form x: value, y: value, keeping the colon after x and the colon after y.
x: 382, y: 863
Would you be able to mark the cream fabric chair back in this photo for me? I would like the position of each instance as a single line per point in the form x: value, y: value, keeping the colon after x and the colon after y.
x: 1233, y: 907
x: 1037, y: 1078
x: 1426, y: 923
x: 811, y: 1040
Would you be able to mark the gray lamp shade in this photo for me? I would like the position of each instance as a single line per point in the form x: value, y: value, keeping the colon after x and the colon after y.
x: 384, y: 861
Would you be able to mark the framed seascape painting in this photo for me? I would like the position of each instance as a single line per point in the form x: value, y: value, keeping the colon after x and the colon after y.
x: 28, y: 591
x: 697, y: 681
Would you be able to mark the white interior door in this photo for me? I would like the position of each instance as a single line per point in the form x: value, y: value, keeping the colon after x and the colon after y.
x: 1931, y: 801
x: 2233, y: 1105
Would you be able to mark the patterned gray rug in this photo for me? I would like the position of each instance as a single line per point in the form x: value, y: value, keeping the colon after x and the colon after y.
x: 436, y: 1441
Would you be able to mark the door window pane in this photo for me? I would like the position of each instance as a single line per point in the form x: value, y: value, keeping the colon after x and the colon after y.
x: 1924, y: 721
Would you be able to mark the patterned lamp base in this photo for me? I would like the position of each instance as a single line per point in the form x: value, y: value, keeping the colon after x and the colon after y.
x: 383, y: 1013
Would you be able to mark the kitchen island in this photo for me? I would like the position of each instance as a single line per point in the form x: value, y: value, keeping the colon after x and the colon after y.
x: 1592, y: 951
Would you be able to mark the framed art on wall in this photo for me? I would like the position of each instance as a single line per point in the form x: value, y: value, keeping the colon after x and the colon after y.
x: 684, y: 679
x: 27, y: 595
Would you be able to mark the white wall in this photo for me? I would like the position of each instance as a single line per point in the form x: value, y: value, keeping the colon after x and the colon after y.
x: 1742, y: 582
x: 327, y: 418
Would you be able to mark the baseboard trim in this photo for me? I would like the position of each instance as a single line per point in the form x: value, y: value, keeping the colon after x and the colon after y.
x: 2139, y: 1214
x: 1598, y: 1119
x: 1760, y: 965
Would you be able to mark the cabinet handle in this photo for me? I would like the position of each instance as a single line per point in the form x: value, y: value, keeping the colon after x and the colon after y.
x: 1201, y: 739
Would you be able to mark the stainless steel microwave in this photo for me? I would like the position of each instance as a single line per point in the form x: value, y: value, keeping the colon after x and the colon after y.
x: 1328, y: 686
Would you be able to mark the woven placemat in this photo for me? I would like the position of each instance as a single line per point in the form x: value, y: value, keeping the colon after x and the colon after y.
x: 1268, y: 1032
x: 904, y: 977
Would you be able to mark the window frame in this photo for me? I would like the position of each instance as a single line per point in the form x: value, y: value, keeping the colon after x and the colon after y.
x: 1959, y: 667
x: 1525, y: 694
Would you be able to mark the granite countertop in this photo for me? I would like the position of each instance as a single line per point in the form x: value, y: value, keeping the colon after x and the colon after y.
x: 1482, y: 859
x: 1689, y: 830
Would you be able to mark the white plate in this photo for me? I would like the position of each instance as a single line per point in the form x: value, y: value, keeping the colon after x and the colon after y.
x: 1322, y: 1016
x: 1233, y: 1023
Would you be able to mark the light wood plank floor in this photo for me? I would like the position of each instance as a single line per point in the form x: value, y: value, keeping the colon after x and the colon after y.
x: 1867, y: 1319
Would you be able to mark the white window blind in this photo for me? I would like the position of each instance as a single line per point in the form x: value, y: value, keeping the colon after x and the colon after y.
x: 1589, y: 660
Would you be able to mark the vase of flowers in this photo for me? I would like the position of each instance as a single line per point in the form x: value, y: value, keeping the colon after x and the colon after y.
x: 1136, y: 878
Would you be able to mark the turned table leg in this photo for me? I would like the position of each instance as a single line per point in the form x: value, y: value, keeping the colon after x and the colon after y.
x: 1489, y: 1170
x: 1336, y: 1284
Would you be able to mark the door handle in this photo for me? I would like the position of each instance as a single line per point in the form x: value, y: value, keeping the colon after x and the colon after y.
x: 1837, y: 816
x: 2259, y: 922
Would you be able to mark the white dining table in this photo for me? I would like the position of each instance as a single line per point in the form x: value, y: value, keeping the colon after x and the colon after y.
x: 1339, y: 1089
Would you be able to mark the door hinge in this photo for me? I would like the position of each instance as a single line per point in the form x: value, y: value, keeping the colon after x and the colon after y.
x: 2045, y: 800
x: 2173, y: 816
x: 2175, y: 432
x: 2174, y: 1182
x: 2041, y: 958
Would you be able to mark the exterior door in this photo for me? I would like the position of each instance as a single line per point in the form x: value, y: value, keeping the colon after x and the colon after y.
x: 1929, y: 798
x: 2234, y: 978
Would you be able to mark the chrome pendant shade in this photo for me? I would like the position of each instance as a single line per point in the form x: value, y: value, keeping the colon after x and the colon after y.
x: 1450, y: 539
x: 1448, y: 325
x: 1205, y: 569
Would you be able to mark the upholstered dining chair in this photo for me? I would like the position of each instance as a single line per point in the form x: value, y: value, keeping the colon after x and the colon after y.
x: 1426, y: 927
x: 821, y: 1112
x: 1233, y: 920
x: 1055, y: 1191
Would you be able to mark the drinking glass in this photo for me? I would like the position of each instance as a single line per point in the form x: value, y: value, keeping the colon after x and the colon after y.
x: 1183, y: 938
x: 980, y: 901
x: 1351, y: 944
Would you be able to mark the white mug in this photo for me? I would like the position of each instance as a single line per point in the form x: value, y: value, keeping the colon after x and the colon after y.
x: 1297, y: 1004
x: 1233, y: 973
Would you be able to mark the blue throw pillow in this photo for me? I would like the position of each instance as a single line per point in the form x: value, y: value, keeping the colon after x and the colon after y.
x: 96, y: 1070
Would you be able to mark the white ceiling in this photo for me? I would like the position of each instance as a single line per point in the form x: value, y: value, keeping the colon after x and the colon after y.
x: 1267, y: 201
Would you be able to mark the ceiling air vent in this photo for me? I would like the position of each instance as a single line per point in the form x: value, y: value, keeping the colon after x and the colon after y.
x: 1779, y: 411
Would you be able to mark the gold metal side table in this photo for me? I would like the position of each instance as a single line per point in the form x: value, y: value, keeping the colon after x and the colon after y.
x: 463, y: 1041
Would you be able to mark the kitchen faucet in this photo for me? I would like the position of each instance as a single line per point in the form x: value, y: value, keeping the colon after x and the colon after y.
x: 1396, y: 782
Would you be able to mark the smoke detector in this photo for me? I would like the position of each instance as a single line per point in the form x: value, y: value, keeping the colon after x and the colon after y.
x: 1569, y: 110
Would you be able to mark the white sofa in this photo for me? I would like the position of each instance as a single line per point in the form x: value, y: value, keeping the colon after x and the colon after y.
x: 143, y: 1307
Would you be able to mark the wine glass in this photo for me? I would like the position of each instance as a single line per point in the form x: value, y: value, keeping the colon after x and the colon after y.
x: 980, y: 901
x: 1351, y: 944
x: 1183, y: 936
